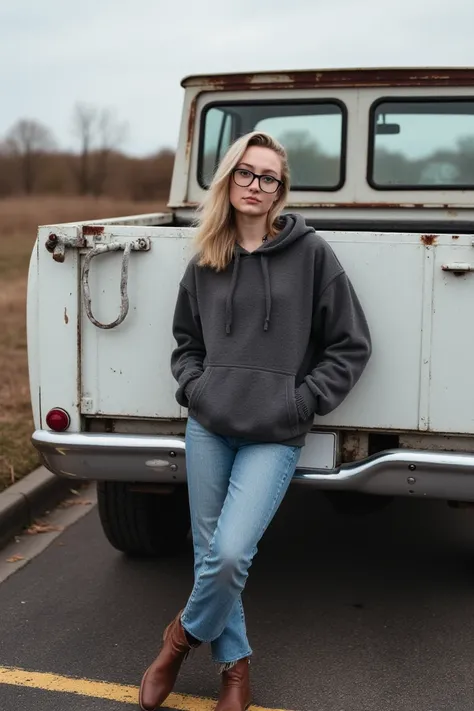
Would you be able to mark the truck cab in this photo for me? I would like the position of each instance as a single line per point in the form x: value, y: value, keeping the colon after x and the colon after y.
x: 382, y: 165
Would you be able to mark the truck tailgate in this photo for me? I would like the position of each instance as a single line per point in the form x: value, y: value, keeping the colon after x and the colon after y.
x: 418, y: 315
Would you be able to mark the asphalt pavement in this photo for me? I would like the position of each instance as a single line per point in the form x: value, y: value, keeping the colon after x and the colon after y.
x: 344, y: 613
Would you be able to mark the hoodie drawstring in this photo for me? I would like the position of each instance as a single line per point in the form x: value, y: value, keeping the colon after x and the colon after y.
x: 292, y: 227
x: 230, y: 295
x: 268, y: 291
x: 233, y: 284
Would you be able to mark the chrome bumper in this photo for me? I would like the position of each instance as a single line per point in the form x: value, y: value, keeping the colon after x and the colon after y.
x: 161, y: 459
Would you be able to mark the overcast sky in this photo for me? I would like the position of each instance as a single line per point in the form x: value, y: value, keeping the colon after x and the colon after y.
x: 130, y: 55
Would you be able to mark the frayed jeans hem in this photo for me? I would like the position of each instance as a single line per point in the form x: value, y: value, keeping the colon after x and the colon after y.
x: 231, y: 662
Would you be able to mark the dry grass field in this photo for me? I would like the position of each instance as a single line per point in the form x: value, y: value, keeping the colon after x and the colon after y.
x: 19, y: 218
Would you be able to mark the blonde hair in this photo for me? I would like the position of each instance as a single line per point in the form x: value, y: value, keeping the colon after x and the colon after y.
x: 216, y: 234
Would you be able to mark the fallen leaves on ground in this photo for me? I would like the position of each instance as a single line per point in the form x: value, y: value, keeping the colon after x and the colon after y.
x: 43, y: 528
x: 74, y: 502
x: 15, y: 558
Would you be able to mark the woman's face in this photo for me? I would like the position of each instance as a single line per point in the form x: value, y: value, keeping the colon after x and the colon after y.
x: 251, y: 200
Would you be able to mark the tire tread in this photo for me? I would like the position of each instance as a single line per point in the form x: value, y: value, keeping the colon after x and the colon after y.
x: 138, y: 523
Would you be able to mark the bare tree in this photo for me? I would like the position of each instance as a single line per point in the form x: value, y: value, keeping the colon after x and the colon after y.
x: 111, y: 134
x: 29, y: 140
x: 99, y: 133
x: 85, y: 123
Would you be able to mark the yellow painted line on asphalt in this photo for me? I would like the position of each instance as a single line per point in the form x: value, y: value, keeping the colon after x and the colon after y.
x: 102, y: 689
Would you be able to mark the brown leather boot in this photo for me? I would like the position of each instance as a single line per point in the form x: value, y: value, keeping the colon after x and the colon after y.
x: 160, y: 677
x: 235, y: 689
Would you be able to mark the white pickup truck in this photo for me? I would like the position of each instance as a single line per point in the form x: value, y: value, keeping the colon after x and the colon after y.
x: 382, y: 164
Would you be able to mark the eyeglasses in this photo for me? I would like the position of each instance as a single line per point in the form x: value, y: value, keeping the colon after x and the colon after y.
x: 244, y: 178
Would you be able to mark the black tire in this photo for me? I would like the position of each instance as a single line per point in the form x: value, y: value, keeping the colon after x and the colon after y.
x: 143, y: 524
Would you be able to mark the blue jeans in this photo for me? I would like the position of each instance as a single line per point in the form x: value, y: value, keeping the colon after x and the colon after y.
x: 235, y: 488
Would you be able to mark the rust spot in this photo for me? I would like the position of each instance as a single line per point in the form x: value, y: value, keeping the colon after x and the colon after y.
x: 455, y: 237
x: 350, y: 453
x: 66, y: 317
x: 336, y: 78
x: 354, y: 447
x: 191, y: 121
x: 91, y: 230
x: 429, y: 240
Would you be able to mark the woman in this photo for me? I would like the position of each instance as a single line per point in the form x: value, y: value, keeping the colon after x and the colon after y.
x: 269, y: 332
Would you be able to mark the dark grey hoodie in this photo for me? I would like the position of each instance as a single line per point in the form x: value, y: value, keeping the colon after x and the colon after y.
x: 276, y: 337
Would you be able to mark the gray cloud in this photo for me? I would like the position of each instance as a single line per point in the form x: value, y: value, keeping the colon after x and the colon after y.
x: 132, y: 54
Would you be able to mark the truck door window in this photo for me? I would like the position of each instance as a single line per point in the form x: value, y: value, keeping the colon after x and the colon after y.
x: 422, y: 144
x: 313, y: 134
x: 217, y: 139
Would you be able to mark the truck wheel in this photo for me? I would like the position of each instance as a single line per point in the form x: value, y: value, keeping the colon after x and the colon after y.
x: 140, y: 523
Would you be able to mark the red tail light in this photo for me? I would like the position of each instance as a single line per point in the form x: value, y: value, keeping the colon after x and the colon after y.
x: 58, y: 419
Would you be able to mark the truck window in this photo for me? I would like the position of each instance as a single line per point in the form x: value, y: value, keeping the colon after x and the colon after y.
x: 422, y: 144
x: 313, y: 133
x: 217, y: 139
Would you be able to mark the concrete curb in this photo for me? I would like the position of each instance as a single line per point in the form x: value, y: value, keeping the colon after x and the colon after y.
x: 30, y: 497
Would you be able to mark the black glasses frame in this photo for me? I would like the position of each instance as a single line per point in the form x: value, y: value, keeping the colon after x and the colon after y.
x: 255, y: 175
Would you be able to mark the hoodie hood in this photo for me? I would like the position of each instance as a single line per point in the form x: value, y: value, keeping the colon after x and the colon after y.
x: 293, y: 228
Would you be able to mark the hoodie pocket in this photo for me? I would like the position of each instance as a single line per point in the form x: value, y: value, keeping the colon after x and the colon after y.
x: 246, y: 402
x: 197, y: 388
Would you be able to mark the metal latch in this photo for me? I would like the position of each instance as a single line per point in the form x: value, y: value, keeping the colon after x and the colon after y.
x: 458, y: 268
x: 140, y: 245
x: 58, y: 244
